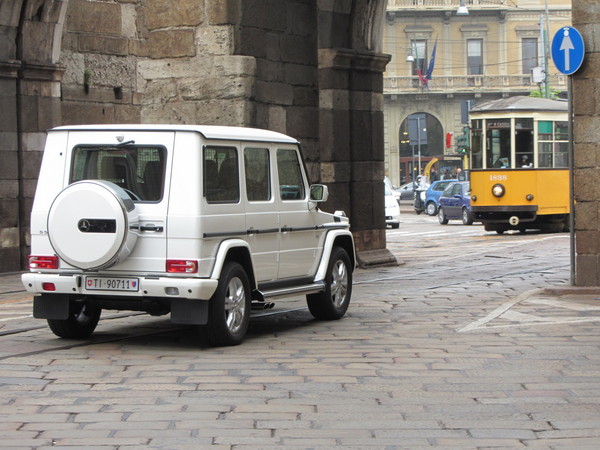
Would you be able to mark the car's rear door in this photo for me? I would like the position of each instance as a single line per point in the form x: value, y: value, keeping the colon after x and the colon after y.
x: 138, y: 161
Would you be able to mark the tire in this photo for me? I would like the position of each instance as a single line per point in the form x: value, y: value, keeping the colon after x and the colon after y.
x: 91, y: 224
x: 82, y: 321
x: 442, y: 218
x: 431, y: 209
x: 395, y: 225
x: 333, y: 302
x: 229, y: 307
x: 467, y: 218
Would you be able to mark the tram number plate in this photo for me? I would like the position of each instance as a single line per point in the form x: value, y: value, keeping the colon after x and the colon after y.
x: 112, y: 284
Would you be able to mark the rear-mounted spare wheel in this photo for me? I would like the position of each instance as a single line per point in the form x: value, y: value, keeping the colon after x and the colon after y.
x: 92, y: 224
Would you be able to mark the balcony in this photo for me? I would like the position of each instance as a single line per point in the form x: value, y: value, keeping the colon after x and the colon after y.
x: 470, y: 84
x: 402, y: 5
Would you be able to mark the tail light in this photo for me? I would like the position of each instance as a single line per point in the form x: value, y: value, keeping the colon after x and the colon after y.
x: 182, y: 266
x: 43, y: 262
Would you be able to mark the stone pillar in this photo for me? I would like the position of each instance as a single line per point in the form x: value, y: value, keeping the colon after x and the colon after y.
x: 351, y: 143
x: 9, y: 169
x: 39, y: 107
x: 586, y: 138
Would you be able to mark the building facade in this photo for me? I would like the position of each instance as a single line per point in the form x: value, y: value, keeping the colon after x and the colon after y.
x: 446, y: 60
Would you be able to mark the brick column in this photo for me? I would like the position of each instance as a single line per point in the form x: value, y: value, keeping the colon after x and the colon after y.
x: 351, y: 144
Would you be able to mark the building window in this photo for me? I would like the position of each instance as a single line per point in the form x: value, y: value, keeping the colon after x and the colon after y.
x: 419, y: 49
x: 529, y: 55
x: 474, y: 56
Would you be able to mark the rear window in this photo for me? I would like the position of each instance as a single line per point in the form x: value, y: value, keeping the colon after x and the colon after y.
x: 139, y: 170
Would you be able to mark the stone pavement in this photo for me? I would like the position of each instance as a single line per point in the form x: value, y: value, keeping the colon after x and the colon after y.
x: 484, y: 362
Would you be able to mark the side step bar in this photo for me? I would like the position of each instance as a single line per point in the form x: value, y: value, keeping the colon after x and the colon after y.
x: 312, y: 288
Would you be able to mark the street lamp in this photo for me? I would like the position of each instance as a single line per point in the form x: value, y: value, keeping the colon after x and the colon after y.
x: 419, y: 140
x: 462, y: 9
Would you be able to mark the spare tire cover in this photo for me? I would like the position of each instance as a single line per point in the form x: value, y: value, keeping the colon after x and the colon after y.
x: 92, y: 224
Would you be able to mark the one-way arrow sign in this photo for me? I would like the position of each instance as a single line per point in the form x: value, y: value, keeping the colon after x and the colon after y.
x: 568, y: 50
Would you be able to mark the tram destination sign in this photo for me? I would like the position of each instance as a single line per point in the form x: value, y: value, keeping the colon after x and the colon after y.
x: 568, y: 50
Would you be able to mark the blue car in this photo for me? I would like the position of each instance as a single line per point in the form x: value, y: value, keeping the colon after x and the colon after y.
x: 433, y: 194
x: 455, y: 203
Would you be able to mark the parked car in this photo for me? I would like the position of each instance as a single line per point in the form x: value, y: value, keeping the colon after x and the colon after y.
x: 407, y: 191
x: 455, y: 203
x: 388, y: 184
x: 203, y: 223
x: 392, y: 208
x: 432, y: 195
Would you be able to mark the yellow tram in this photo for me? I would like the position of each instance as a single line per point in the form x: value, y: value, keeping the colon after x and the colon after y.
x: 519, y: 164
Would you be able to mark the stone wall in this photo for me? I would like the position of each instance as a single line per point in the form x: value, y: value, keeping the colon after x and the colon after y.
x: 586, y: 133
x: 134, y: 61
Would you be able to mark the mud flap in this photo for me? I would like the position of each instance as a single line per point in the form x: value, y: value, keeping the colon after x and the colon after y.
x: 51, y: 307
x: 189, y: 312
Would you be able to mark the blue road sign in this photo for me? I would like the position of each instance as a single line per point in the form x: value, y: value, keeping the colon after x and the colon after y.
x: 568, y: 50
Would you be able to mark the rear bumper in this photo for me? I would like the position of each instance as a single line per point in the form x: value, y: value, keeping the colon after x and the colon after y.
x: 157, y: 287
x: 503, y: 214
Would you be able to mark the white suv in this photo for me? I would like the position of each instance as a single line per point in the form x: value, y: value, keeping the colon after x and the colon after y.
x: 195, y: 221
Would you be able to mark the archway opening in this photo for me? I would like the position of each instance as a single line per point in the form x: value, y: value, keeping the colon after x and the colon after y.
x: 421, y: 140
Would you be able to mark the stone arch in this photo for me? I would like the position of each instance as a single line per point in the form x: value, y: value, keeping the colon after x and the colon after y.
x: 309, y: 69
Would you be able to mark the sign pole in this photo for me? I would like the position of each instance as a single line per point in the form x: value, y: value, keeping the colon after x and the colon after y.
x: 571, y: 182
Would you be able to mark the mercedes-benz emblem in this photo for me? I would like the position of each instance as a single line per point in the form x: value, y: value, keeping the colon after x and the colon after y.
x: 84, y: 225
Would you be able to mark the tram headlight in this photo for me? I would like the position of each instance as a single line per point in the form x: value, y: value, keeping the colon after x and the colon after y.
x: 529, y: 197
x: 498, y: 190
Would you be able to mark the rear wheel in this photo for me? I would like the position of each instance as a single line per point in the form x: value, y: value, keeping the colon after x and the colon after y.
x: 333, y: 302
x: 467, y: 219
x: 442, y: 218
x: 229, y: 307
x: 81, y: 323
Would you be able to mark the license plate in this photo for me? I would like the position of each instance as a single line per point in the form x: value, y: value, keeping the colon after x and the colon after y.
x: 112, y: 284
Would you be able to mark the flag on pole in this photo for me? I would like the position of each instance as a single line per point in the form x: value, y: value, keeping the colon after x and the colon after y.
x: 425, y: 77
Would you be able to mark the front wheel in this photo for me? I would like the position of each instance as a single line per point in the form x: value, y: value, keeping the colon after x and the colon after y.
x: 333, y: 302
x: 229, y: 307
x: 431, y: 209
x: 81, y: 323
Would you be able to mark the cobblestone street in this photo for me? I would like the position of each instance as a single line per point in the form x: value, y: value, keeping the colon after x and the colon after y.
x: 461, y: 346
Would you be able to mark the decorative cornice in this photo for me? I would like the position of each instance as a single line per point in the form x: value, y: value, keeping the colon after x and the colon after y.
x: 346, y: 59
x: 9, y: 69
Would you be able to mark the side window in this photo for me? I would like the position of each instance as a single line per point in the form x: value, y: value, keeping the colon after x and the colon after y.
x: 257, y: 169
x: 291, y: 185
x: 221, y: 175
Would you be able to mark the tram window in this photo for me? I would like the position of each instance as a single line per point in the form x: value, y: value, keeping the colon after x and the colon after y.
x: 545, y: 154
x: 545, y: 130
x: 476, y: 149
x: 561, y: 131
x: 498, y: 148
x: 524, y: 143
x: 561, y: 154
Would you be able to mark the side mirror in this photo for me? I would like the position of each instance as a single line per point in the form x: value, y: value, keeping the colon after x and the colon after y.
x: 319, y: 193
